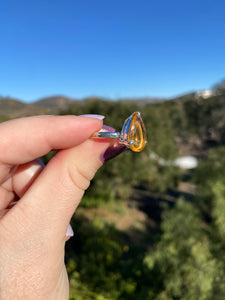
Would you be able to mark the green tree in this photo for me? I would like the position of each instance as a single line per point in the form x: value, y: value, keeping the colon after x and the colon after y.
x: 190, y: 254
x: 103, y: 264
x: 219, y: 88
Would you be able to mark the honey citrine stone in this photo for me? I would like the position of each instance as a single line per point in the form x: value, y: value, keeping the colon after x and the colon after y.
x: 137, y: 133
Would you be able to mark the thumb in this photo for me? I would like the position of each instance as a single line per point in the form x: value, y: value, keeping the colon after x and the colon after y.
x: 50, y: 202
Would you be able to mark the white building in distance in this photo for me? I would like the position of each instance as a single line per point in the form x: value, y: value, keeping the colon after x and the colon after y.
x: 183, y: 162
x: 204, y: 94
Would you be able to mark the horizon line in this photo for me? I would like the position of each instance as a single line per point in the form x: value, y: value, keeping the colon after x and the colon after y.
x: 101, y: 97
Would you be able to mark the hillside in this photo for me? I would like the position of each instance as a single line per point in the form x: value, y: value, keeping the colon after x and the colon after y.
x: 11, y: 108
x: 54, y: 103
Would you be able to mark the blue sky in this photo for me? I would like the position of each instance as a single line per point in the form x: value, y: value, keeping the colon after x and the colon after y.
x: 112, y: 49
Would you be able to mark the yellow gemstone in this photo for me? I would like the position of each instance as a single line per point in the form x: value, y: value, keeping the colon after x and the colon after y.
x: 137, y: 133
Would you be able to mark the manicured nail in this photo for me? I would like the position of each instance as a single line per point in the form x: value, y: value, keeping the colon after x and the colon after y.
x: 99, y: 117
x: 113, y: 151
x: 108, y: 128
x: 69, y: 231
x: 40, y: 162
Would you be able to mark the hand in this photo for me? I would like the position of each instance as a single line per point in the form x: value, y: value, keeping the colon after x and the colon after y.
x: 33, y: 231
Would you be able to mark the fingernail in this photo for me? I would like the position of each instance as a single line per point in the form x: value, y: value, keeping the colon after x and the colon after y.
x: 69, y: 231
x: 40, y: 162
x: 113, y: 151
x: 108, y: 128
x: 94, y: 116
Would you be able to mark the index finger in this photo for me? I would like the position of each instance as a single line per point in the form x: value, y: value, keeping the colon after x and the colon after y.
x: 26, y: 139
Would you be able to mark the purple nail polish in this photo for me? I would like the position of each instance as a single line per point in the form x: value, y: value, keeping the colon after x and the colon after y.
x: 112, y: 151
x: 108, y: 128
x: 94, y: 116
x: 69, y: 231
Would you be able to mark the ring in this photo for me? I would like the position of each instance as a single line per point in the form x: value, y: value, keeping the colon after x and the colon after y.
x: 132, y: 135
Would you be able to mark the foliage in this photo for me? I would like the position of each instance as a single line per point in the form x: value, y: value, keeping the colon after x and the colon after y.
x: 186, y: 265
x: 206, y: 176
x: 204, y: 117
x: 219, y: 88
x: 100, y: 267
x: 190, y: 254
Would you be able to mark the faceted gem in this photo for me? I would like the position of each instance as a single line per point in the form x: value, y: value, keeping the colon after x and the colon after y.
x: 136, y: 135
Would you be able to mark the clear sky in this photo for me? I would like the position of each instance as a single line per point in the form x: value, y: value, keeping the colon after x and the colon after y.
x: 110, y: 48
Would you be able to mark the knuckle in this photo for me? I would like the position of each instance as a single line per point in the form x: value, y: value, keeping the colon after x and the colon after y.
x: 78, y: 177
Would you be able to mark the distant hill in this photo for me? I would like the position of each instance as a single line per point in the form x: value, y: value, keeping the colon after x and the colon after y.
x: 54, y: 103
x: 12, y: 108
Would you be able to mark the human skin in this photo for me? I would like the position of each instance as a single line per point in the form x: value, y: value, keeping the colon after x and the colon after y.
x: 33, y: 231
